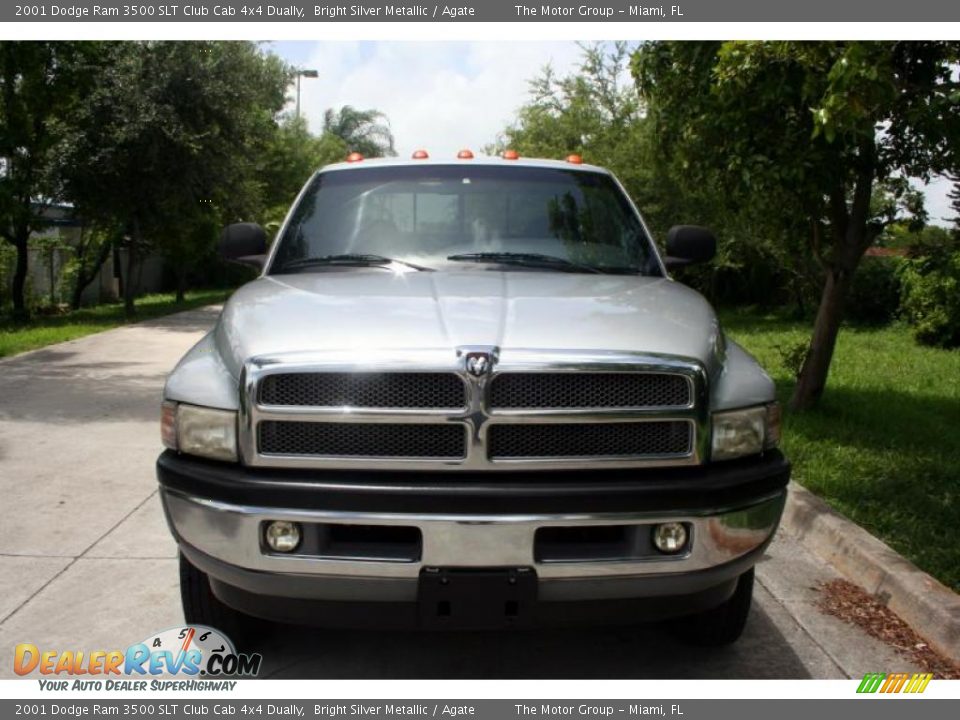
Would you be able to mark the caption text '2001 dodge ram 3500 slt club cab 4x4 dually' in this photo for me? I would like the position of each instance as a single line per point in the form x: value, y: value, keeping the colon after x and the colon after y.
x: 466, y: 393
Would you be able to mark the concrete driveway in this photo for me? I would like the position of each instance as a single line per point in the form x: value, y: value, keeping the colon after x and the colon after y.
x: 86, y: 561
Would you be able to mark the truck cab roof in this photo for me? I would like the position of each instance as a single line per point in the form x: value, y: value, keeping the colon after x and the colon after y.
x: 453, y: 160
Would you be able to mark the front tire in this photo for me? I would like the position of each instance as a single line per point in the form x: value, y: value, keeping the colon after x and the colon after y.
x: 723, y: 624
x: 202, y: 607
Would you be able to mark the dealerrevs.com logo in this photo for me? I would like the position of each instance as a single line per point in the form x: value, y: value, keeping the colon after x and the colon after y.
x: 190, y: 651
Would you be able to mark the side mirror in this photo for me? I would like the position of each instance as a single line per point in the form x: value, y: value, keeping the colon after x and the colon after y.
x: 689, y: 244
x: 244, y: 243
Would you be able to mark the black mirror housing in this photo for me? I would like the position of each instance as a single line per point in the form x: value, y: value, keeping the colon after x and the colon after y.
x: 689, y: 244
x: 244, y: 243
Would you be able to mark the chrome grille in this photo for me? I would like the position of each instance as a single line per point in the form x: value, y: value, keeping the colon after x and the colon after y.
x: 428, y: 409
x: 589, y: 390
x: 385, y: 440
x: 364, y: 389
x: 572, y: 440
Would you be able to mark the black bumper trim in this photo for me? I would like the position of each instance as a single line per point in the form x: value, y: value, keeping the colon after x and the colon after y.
x: 705, y: 488
x: 406, y: 615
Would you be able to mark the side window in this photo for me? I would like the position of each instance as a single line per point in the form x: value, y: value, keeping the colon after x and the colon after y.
x: 604, y: 222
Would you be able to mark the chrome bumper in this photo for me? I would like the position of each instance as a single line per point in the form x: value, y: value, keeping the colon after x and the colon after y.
x: 232, y: 535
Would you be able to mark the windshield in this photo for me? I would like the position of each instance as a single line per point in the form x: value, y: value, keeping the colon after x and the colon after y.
x: 439, y: 216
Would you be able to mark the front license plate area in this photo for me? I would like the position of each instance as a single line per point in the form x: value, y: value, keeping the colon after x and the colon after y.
x: 476, y: 598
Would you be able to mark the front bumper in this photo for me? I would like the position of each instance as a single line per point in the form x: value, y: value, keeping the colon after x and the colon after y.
x: 217, y: 513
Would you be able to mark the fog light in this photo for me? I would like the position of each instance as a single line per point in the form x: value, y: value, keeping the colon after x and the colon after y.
x: 670, y: 537
x: 283, y: 536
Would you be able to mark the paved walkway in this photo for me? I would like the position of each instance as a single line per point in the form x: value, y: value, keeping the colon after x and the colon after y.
x: 86, y: 561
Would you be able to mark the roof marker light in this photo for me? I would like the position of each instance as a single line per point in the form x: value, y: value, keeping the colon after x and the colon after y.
x: 575, y: 159
x: 354, y: 157
x: 465, y: 155
x: 510, y: 155
x: 420, y: 155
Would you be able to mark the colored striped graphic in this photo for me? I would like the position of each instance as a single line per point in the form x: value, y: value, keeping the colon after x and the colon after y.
x: 894, y: 682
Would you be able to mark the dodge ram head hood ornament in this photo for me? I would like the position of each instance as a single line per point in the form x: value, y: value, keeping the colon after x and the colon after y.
x: 478, y: 364
x: 478, y: 361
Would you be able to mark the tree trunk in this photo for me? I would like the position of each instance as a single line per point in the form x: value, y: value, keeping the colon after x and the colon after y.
x: 181, y: 284
x: 20, y: 278
x: 84, y: 278
x: 52, y: 276
x: 130, y: 284
x: 852, y: 234
x: 800, y: 309
x: 77, y: 295
x: 816, y: 365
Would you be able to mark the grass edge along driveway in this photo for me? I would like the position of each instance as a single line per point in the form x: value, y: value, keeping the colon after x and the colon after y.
x: 43, y: 330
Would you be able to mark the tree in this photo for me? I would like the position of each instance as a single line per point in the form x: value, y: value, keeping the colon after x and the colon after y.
x: 187, y: 242
x: 364, y: 131
x: 594, y: 113
x: 49, y: 247
x: 39, y: 82
x: 93, y: 247
x: 589, y: 112
x: 836, y: 125
x: 170, y: 132
x: 291, y: 156
x: 954, y: 196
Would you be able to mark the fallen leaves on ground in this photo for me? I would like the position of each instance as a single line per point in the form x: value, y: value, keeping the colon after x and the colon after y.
x: 842, y: 599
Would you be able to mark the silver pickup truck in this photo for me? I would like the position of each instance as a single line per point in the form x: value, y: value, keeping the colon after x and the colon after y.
x: 466, y: 393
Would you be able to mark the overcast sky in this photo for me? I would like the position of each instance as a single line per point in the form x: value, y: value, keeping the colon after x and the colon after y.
x: 439, y: 96
x: 444, y: 96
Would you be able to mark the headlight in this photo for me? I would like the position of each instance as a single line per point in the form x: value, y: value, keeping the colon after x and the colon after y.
x: 745, y: 432
x: 200, y: 431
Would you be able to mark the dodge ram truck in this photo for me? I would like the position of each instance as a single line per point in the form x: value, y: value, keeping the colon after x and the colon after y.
x: 466, y: 393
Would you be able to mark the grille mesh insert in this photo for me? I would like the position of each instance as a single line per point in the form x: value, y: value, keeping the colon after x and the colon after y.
x: 667, y: 438
x: 320, y: 439
x: 378, y: 390
x: 588, y: 390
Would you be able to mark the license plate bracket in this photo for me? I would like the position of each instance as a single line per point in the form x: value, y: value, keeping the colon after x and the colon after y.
x: 476, y: 598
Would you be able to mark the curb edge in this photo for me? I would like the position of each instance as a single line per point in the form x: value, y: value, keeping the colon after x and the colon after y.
x: 928, y: 606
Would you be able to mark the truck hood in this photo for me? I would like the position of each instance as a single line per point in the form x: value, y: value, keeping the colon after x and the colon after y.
x: 373, y: 309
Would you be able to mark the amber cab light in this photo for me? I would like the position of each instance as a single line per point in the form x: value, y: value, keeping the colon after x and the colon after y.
x: 354, y: 157
x: 420, y: 155
x: 510, y: 155
x: 575, y: 159
x: 465, y: 155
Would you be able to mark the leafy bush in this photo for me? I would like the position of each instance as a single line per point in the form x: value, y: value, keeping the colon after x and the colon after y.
x: 875, y: 292
x: 792, y: 356
x: 931, y: 298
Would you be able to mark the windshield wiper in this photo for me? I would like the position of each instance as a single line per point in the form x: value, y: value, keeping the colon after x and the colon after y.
x: 525, y: 259
x: 349, y: 259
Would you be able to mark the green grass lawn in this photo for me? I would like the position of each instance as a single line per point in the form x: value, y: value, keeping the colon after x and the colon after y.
x: 46, y: 330
x: 883, y: 447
